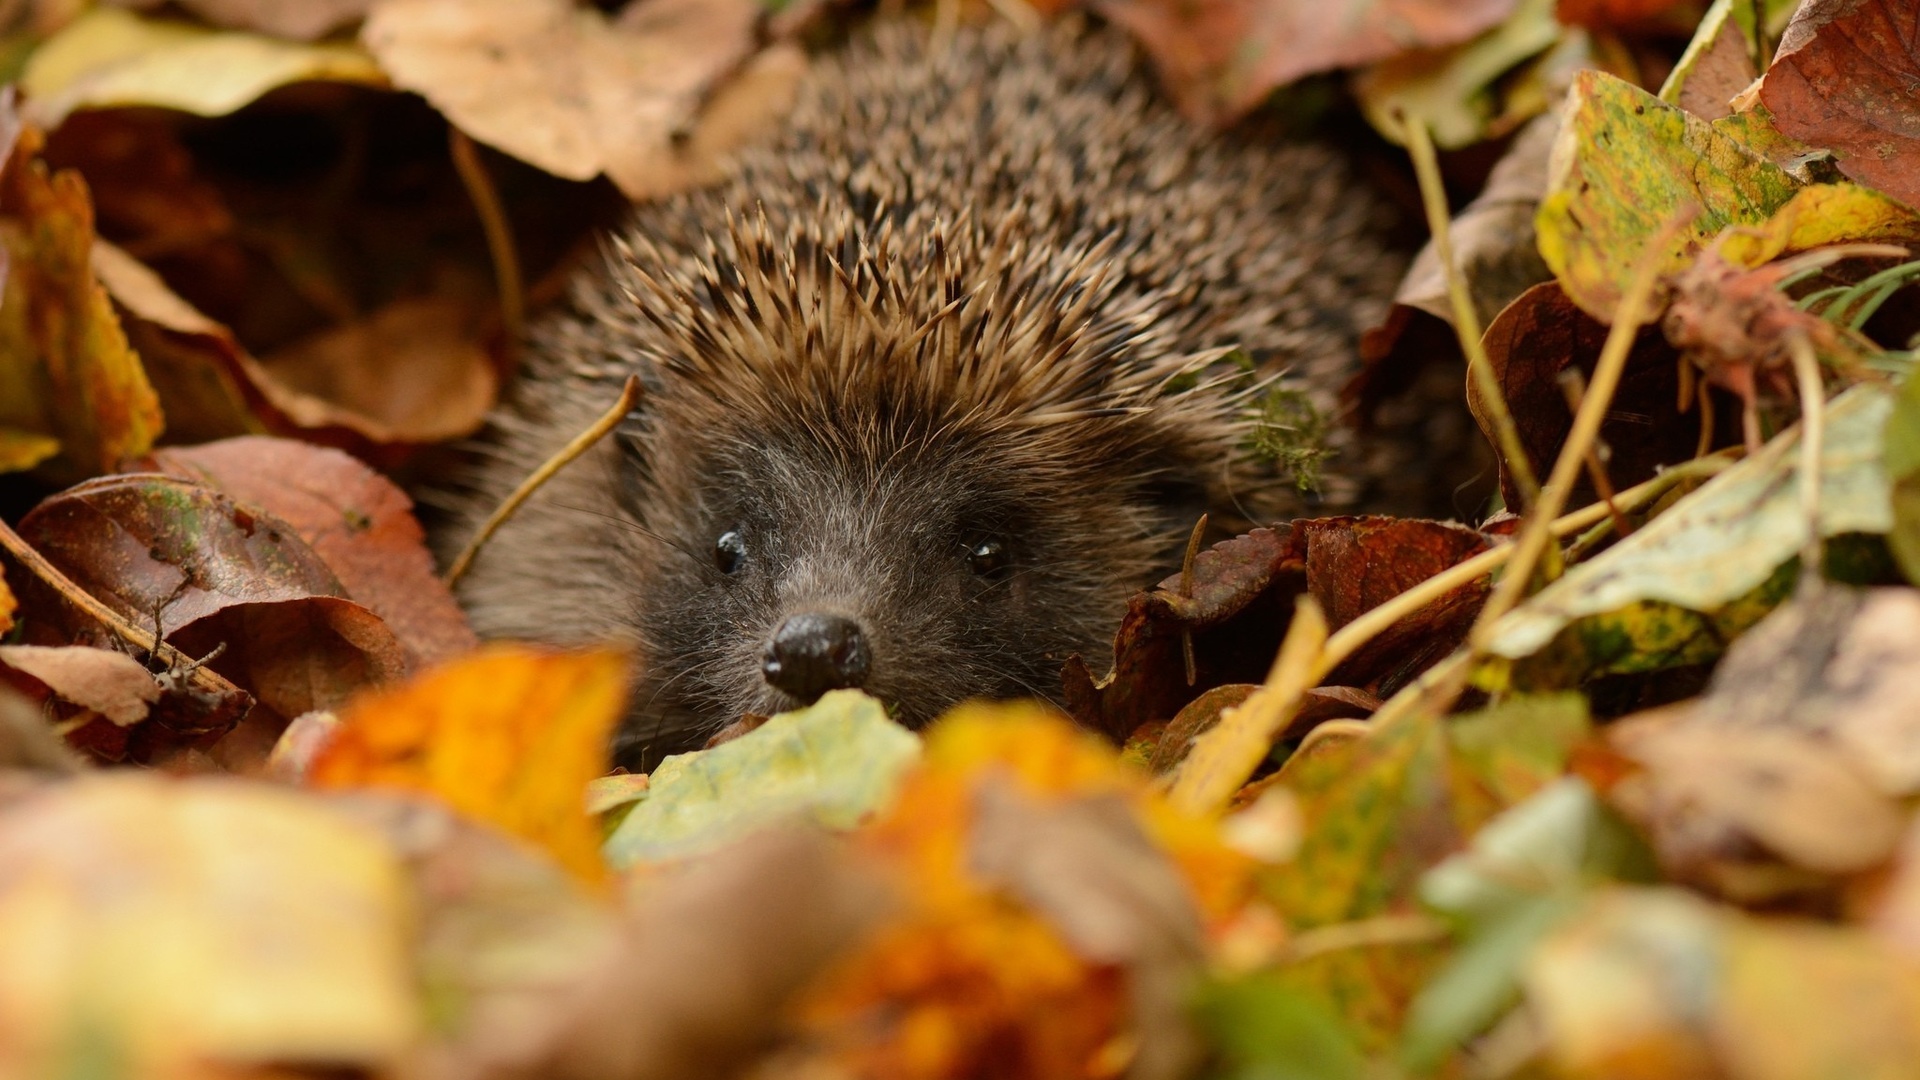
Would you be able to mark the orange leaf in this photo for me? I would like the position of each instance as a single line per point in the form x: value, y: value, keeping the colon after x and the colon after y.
x: 509, y: 735
x: 7, y: 607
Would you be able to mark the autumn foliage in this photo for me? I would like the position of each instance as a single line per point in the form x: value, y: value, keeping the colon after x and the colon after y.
x: 1615, y: 779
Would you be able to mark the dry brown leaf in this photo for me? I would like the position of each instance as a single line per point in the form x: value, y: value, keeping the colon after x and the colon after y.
x: 112, y: 684
x: 1220, y: 58
x: 417, y: 368
x: 652, y: 99
x: 357, y: 521
x: 1843, y: 78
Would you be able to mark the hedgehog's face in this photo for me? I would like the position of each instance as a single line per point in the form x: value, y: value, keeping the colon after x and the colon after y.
x: 922, y: 574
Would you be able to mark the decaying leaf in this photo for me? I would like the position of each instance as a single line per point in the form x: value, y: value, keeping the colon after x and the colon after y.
x: 301, y: 20
x: 1673, y: 591
x: 212, y: 574
x: 1627, y: 164
x: 190, y: 921
x: 356, y: 520
x: 1542, y: 335
x: 833, y: 763
x: 509, y: 736
x: 1843, y: 79
x: 1451, y: 90
x: 110, y: 57
x: 652, y: 98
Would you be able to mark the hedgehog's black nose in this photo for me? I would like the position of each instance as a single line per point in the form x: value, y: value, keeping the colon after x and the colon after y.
x: 812, y: 654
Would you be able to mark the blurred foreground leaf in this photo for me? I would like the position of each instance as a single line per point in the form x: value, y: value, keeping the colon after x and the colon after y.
x: 834, y: 762
x: 509, y: 736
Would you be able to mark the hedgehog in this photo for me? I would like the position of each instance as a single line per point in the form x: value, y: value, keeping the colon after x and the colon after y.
x: 933, y: 380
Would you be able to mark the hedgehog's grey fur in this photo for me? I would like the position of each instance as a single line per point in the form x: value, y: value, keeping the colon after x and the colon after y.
x: 969, y: 293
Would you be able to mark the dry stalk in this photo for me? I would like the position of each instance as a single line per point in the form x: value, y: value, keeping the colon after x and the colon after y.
x: 581, y: 443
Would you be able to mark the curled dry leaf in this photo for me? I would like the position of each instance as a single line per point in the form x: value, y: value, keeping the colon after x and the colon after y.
x: 208, y: 572
x: 1843, y: 78
x: 508, y: 735
x: 1543, y: 334
x: 653, y: 98
x: 357, y: 521
x: 66, y: 371
x: 1220, y: 58
x: 415, y: 372
x: 110, y: 57
x: 198, y: 920
x: 1235, y: 614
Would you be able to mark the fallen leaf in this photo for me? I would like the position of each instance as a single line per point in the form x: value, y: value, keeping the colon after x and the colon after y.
x: 67, y: 372
x: 709, y: 964
x: 207, y: 572
x: 192, y: 921
x: 1719, y: 63
x: 1265, y: 1026
x: 1900, y: 449
x: 1221, y: 58
x: 1610, y: 14
x: 1655, y: 982
x: 833, y: 763
x: 1451, y: 91
x: 508, y: 735
x: 24, y: 449
x: 29, y: 744
x: 1543, y: 334
x: 646, y: 98
x: 300, y: 20
x: 415, y: 372
x: 110, y: 57
x: 1234, y: 617
x: 8, y: 605
x: 1625, y: 165
x: 1843, y: 79
x: 1704, y: 555
x: 357, y: 521
x: 502, y: 940
x: 112, y: 684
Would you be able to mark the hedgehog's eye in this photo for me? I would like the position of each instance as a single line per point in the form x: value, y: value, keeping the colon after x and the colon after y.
x: 988, y: 558
x: 728, y: 549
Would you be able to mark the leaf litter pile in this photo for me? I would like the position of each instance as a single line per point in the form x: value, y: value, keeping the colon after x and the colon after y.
x: 1617, y: 782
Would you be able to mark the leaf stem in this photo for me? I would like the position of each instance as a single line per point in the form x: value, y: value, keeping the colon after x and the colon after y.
x: 1466, y: 321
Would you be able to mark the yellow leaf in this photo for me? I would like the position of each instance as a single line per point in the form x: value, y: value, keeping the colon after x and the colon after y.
x: 110, y: 57
x: 66, y: 371
x: 24, y: 449
x: 161, y: 924
x: 7, y: 606
x: 1822, y: 215
x: 508, y: 735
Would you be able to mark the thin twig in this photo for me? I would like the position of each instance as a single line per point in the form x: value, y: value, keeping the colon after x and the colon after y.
x: 499, y: 233
x: 1538, y: 529
x: 1466, y: 321
x: 1186, y: 593
x: 1813, y: 429
x: 1364, y: 933
x: 629, y: 397
x: 1574, y: 385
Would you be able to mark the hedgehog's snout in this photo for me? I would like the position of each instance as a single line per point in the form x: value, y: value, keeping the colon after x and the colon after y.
x: 812, y: 653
